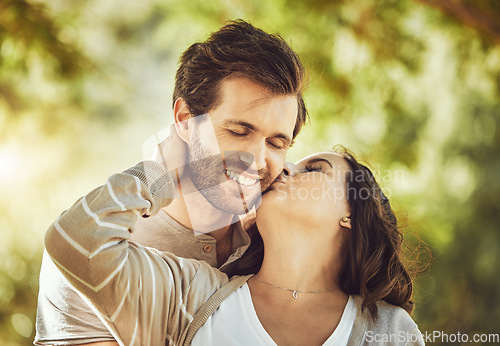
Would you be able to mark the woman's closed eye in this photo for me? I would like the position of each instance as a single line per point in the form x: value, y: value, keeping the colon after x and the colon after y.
x: 313, y: 168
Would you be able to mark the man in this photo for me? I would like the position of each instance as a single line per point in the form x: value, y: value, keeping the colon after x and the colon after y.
x: 238, y: 107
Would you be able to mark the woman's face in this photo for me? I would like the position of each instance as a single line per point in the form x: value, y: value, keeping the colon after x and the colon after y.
x: 312, y: 194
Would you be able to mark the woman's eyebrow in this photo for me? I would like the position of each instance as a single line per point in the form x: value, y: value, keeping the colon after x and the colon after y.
x: 319, y: 159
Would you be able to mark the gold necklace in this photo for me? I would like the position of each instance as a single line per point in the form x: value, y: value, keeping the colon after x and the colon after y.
x: 295, y: 293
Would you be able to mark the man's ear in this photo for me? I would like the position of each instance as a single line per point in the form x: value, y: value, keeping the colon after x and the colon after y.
x: 181, y: 117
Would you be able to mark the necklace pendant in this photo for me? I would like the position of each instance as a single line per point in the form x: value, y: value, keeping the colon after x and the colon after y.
x: 295, y: 294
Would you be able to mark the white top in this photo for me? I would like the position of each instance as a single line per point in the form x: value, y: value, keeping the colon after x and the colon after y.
x: 236, y: 323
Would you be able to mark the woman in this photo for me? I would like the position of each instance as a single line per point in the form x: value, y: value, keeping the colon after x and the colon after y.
x: 331, y: 272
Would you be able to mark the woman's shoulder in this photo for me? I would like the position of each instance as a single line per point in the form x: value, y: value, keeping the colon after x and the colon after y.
x: 388, y: 316
x: 395, y: 316
x: 393, y: 324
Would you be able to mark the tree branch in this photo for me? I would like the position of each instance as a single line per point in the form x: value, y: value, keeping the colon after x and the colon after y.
x: 469, y: 16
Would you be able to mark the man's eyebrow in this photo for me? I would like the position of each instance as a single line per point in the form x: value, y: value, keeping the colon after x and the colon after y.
x: 288, y: 141
x: 319, y: 159
x: 252, y: 127
x: 241, y: 123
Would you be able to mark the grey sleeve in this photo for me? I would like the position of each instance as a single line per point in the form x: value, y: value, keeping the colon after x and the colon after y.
x: 63, y: 317
x: 415, y: 338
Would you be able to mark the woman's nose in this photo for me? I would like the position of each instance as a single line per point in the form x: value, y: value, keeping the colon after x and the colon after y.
x: 290, y: 169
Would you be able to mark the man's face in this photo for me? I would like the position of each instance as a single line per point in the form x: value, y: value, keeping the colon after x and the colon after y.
x: 239, y: 149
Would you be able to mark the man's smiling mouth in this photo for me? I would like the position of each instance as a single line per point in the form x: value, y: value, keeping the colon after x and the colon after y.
x: 240, y: 179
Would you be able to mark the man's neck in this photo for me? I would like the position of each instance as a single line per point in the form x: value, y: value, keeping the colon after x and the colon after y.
x: 224, y: 243
x: 223, y: 236
x: 193, y: 211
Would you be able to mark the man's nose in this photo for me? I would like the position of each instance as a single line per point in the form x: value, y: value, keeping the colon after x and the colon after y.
x: 255, y: 157
x: 290, y: 169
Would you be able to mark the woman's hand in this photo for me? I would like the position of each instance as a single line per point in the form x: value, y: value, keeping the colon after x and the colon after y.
x: 172, y: 153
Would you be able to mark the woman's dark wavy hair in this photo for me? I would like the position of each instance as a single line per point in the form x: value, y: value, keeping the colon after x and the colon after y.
x: 373, y: 267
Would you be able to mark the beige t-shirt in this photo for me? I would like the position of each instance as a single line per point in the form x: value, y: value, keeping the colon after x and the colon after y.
x: 64, y: 318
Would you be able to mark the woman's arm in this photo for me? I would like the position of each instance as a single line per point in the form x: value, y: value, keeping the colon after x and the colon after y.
x: 135, y: 291
x: 92, y: 233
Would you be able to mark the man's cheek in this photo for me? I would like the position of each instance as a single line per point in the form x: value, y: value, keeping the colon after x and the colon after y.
x: 269, y: 176
x: 278, y: 167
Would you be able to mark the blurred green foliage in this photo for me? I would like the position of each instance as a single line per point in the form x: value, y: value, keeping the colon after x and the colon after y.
x: 411, y: 87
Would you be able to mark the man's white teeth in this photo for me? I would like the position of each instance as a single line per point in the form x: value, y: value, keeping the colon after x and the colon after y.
x: 241, y: 179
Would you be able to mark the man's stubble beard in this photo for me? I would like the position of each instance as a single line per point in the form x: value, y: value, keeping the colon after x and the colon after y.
x: 206, y: 172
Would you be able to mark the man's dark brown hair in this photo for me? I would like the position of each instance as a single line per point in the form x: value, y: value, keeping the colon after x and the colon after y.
x: 239, y: 49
